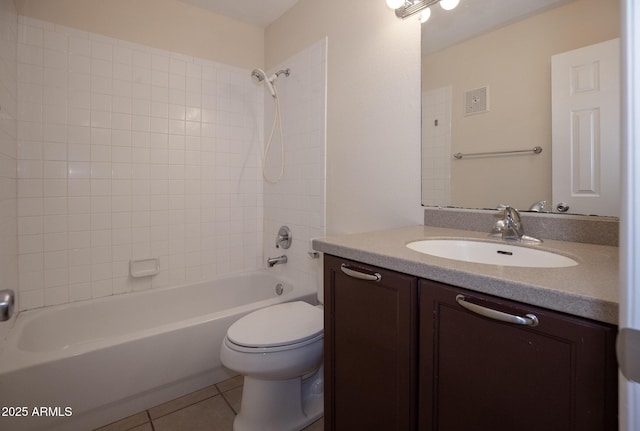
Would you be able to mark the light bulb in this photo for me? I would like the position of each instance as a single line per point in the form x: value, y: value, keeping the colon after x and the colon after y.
x: 449, y: 4
x: 424, y: 15
x: 395, y: 4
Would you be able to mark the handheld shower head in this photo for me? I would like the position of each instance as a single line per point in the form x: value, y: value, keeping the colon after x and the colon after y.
x: 271, y: 87
x: 258, y: 74
x: 261, y: 76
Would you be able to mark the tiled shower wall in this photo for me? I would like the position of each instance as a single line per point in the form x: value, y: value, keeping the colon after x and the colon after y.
x: 298, y: 200
x: 8, y: 132
x: 128, y: 152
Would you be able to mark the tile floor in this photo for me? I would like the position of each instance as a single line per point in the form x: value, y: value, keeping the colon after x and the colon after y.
x: 209, y: 409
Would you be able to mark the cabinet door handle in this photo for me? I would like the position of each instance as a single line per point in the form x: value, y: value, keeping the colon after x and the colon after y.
x: 361, y: 275
x: 529, y: 319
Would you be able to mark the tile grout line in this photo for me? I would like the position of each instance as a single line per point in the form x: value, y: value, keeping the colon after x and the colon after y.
x: 185, y: 406
x: 151, y: 419
x: 153, y: 428
x: 228, y: 403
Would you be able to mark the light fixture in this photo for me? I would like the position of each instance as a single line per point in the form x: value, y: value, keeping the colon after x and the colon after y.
x: 425, y: 15
x: 449, y: 4
x: 395, y: 4
x: 409, y: 8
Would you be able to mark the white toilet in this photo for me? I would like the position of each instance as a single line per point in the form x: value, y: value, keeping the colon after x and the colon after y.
x: 279, y: 351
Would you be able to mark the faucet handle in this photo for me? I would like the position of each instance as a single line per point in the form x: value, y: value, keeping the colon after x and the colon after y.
x: 284, y: 237
x: 506, y: 210
x: 512, y: 217
x: 503, y: 208
x: 500, y: 224
x: 539, y: 206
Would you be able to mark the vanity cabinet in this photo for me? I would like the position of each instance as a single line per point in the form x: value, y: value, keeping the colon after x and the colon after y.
x: 402, y: 353
x: 370, y: 347
x: 550, y: 371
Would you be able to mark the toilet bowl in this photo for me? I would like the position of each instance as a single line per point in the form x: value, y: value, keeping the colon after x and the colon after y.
x: 278, y: 349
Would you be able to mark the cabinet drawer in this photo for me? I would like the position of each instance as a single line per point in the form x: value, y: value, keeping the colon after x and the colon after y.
x: 480, y: 373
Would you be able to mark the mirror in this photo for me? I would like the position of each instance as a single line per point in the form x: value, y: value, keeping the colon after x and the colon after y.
x: 497, y: 55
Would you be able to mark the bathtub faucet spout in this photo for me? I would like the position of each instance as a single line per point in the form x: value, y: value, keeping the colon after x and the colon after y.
x: 7, y: 302
x: 272, y: 261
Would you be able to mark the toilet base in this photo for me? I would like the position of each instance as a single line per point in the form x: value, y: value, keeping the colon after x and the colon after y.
x: 280, y: 405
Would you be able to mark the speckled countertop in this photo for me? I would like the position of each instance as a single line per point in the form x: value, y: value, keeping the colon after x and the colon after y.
x: 589, y: 289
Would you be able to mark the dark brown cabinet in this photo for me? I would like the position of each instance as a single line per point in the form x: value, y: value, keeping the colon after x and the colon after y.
x: 370, y: 347
x: 406, y: 354
x: 480, y: 373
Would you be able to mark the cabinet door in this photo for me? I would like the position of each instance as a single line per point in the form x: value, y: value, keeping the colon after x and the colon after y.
x: 370, y: 348
x: 478, y: 373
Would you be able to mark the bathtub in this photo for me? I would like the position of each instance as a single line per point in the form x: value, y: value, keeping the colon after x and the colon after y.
x: 83, y: 365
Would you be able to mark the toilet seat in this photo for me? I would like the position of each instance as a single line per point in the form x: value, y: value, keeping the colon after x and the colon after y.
x: 280, y: 327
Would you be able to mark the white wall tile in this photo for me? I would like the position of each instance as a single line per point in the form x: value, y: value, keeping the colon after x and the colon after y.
x: 54, y: 169
x: 55, y: 151
x: 30, y: 244
x: 102, y: 288
x: 52, y: 57
x: 31, y: 262
x: 31, y: 54
x: 30, y: 225
x: 110, y: 160
x: 298, y: 200
x: 31, y: 299
x: 79, y: 291
x: 28, y: 207
x: 159, y: 160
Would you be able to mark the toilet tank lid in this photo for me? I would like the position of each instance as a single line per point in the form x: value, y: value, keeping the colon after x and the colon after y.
x: 277, y: 325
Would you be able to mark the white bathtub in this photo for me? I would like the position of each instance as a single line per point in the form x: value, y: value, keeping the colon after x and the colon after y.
x: 90, y: 363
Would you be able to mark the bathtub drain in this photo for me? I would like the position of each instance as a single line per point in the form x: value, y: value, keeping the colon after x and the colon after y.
x: 279, y: 289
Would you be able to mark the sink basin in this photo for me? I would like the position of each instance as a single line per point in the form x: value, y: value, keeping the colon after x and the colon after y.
x: 491, y: 253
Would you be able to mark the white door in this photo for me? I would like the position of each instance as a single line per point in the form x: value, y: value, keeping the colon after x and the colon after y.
x: 585, y: 106
x: 629, y: 336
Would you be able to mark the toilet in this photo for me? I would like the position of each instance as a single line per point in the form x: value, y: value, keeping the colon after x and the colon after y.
x: 278, y: 349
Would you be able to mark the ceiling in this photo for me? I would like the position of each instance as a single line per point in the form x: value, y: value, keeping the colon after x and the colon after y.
x: 258, y: 12
x: 473, y: 17
x: 445, y: 28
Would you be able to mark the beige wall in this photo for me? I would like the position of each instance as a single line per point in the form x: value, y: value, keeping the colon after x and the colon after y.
x: 515, y: 62
x: 165, y: 24
x: 373, y: 108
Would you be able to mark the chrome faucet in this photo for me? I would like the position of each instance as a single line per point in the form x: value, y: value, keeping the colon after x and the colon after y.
x: 510, y: 227
x: 512, y: 230
x: 7, y: 303
x: 273, y: 261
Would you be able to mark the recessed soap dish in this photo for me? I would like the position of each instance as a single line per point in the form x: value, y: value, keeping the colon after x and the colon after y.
x: 144, y: 267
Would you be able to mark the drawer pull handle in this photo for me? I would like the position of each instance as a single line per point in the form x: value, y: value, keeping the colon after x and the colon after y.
x: 361, y: 275
x: 529, y: 319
